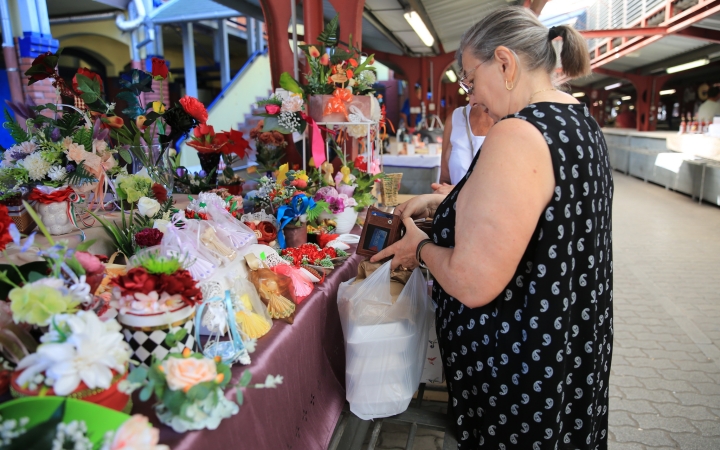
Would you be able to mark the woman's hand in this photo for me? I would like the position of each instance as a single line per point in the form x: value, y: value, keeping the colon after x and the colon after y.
x: 420, y: 207
x: 442, y: 188
x: 404, y: 250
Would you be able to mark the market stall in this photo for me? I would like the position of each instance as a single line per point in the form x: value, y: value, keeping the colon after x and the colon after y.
x: 216, y: 312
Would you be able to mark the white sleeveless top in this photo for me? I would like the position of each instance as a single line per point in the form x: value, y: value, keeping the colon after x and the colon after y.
x: 462, y: 154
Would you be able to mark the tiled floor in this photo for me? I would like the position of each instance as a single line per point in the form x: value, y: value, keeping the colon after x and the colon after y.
x: 665, y: 382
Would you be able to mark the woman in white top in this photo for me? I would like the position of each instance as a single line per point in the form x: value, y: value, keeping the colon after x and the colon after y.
x: 464, y: 134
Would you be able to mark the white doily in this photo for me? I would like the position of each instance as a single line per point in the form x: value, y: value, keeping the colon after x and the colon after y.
x: 261, y: 216
x: 272, y: 258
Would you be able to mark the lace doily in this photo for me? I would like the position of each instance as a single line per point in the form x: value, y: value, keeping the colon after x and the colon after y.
x: 272, y: 258
x: 261, y: 216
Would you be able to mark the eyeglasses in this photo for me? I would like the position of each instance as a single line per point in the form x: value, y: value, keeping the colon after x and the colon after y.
x: 466, y: 87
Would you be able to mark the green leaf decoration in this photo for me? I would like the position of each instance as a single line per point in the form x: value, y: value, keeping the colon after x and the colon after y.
x: 330, y: 35
x: 68, y: 122
x: 14, y: 128
x: 180, y: 334
x: 239, y: 397
x: 138, y: 375
x: 270, y: 101
x: 270, y: 124
x: 88, y: 86
x: 85, y: 245
x: 320, y: 207
x: 245, y: 378
x: 290, y: 84
x: 201, y: 390
x: 145, y: 393
x: 125, y: 155
x: 80, y: 175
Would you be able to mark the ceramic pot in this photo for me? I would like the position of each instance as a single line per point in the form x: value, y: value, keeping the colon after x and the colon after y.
x: 295, y: 236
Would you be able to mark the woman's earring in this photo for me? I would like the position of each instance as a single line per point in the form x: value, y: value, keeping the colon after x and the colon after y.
x: 510, y: 86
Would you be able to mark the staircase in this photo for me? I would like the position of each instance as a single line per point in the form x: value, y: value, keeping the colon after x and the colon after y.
x: 237, y: 100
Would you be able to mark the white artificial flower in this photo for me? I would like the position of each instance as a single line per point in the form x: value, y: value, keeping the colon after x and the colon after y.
x: 36, y: 166
x: 92, y: 349
x: 148, y: 207
x: 161, y: 224
x: 368, y: 76
x: 57, y: 173
x: 294, y: 103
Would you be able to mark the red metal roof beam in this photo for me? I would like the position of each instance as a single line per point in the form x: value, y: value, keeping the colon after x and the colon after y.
x: 704, y: 34
x: 623, y: 32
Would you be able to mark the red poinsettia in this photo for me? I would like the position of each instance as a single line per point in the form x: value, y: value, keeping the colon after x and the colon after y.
x: 159, y: 68
x: 195, y: 108
x: 88, y: 73
x: 5, y: 221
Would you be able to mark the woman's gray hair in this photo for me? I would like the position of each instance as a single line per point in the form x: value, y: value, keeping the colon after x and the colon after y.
x: 518, y: 29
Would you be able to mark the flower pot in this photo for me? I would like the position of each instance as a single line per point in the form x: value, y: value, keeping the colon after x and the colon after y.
x: 317, y: 103
x: 295, y: 236
x: 156, y: 160
x: 346, y: 220
x: 208, y: 162
x: 110, y: 398
x: 146, y: 333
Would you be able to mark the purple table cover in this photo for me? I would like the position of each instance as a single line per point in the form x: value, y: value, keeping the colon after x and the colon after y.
x: 302, y: 412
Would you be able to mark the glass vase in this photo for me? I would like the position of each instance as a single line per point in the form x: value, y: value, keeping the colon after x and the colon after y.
x: 156, y: 160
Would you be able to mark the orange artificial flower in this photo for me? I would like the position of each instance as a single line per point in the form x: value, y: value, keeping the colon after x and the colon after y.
x: 115, y: 122
x: 349, y: 73
x: 352, y: 62
x: 325, y: 60
x: 312, y: 51
x: 140, y: 122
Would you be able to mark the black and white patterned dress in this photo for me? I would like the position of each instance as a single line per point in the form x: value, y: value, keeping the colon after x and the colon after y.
x: 530, y: 369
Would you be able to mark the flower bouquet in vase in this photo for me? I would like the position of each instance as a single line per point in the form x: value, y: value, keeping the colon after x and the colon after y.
x: 189, y: 389
x: 212, y: 146
x: 79, y: 357
x: 156, y: 301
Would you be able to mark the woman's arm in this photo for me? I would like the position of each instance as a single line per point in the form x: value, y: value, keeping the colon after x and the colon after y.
x: 446, y: 149
x: 497, y: 213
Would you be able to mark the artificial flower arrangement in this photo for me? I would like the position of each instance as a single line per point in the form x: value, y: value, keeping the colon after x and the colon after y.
x: 157, y: 293
x: 153, y: 203
x: 211, y: 146
x: 82, y: 428
x: 198, y: 210
x: 269, y: 148
x: 187, y: 182
x: 284, y: 111
x: 336, y: 67
x: 79, y: 356
x: 189, y: 389
x: 312, y: 254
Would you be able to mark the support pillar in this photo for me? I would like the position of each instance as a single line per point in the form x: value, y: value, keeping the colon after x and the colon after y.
x: 10, y: 55
x: 221, y: 44
x: 251, y: 32
x: 313, y: 20
x: 350, y: 20
x: 36, y: 40
x: 188, y: 42
x: 277, y: 18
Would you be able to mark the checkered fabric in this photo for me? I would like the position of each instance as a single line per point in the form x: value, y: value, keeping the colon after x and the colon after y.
x: 146, y: 344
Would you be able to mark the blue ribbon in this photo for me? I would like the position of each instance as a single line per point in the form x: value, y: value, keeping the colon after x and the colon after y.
x: 300, y: 205
x: 230, y: 350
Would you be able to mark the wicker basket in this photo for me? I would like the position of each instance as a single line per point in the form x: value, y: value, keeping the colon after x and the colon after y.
x: 390, y: 187
x: 25, y: 224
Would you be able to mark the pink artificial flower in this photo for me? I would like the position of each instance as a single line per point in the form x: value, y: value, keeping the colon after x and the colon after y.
x: 272, y: 109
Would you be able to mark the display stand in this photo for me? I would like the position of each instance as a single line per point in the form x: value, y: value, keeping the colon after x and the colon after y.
x: 372, y: 144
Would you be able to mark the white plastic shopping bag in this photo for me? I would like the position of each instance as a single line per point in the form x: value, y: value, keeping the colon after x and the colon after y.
x: 386, y: 337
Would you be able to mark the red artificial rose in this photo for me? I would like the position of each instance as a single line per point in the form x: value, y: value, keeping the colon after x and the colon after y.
x: 136, y: 280
x: 88, y: 73
x: 195, y: 108
x: 148, y: 237
x: 272, y: 109
x: 360, y: 164
x: 5, y: 221
x: 159, y: 192
x: 267, y: 231
x: 159, y: 68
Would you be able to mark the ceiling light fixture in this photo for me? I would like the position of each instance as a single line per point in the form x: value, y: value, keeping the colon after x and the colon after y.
x: 451, y: 75
x: 626, y: 98
x: 613, y: 86
x: 667, y: 92
x: 688, y: 66
x: 420, y: 28
x: 578, y: 94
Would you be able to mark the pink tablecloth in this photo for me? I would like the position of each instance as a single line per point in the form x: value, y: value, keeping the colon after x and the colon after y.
x: 301, y: 413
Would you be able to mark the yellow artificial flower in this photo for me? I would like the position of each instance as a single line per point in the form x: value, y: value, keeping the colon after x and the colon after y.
x: 311, y: 163
x: 158, y: 107
x: 346, y: 174
x: 302, y: 176
x: 282, y: 173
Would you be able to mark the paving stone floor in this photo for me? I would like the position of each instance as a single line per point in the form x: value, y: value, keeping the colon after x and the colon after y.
x: 665, y: 382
